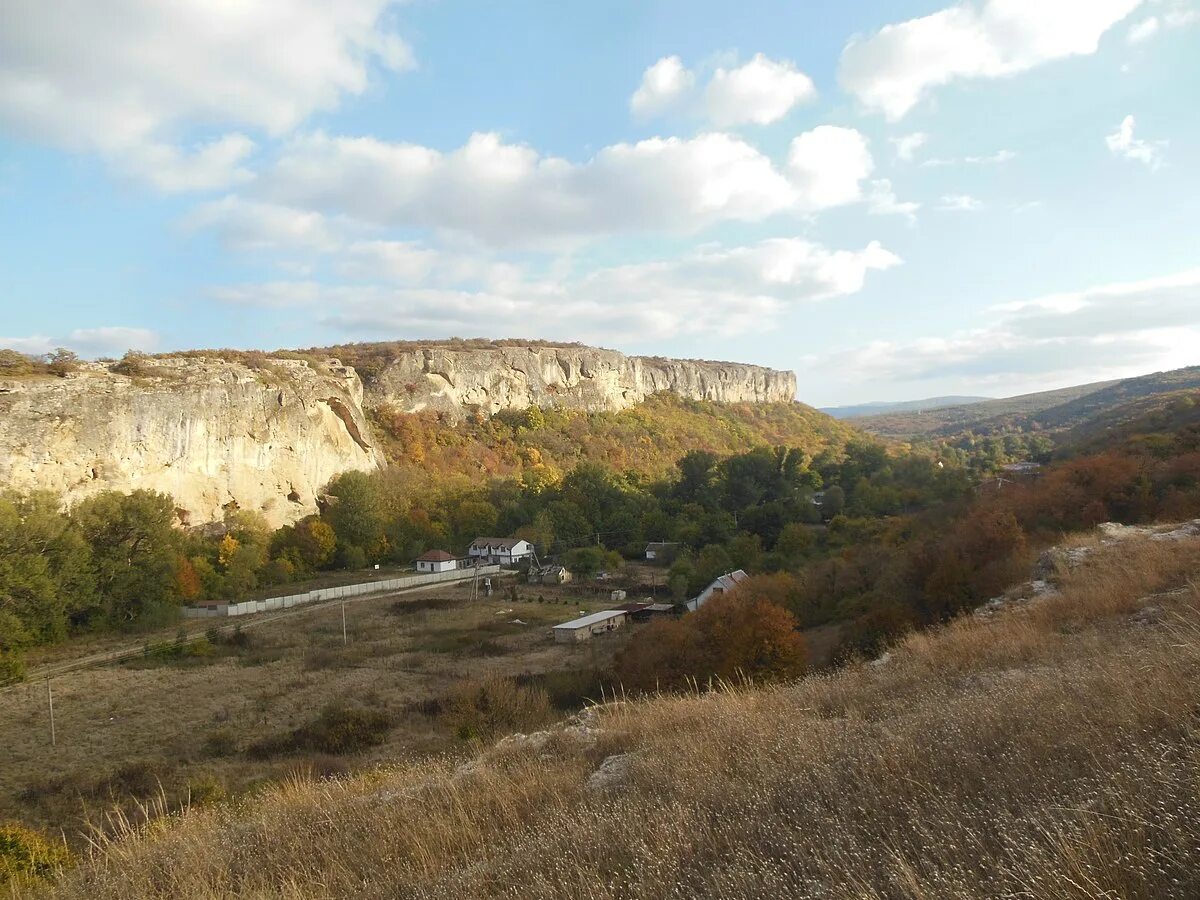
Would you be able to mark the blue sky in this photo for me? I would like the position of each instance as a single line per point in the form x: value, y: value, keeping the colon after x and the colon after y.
x: 895, y: 200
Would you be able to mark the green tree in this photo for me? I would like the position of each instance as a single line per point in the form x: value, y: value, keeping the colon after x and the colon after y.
x: 133, y: 548
x: 355, y: 512
x: 45, y: 569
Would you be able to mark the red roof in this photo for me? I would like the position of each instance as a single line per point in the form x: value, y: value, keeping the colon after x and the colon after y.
x: 434, y: 556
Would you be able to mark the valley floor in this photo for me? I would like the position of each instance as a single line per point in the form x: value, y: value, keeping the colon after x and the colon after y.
x: 1048, y: 750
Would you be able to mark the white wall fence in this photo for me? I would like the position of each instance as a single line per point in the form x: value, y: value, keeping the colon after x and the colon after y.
x: 334, y: 593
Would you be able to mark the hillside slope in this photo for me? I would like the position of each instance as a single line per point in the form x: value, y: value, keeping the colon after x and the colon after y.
x: 1044, y: 411
x: 646, y: 439
x: 1044, y: 750
x: 884, y: 408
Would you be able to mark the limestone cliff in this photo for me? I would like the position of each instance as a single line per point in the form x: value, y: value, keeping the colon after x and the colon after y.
x: 213, y: 432
x: 449, y: 379
x: 208, y: 432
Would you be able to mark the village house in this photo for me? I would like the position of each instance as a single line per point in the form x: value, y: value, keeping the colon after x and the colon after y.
x: 584, y: 627
x: 503, y: 551
x: 436, y: 561
x: 721, y: 585
x: 549, y: 575
x: 661, y: 549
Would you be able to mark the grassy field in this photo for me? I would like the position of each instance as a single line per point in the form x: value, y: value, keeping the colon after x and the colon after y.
x: 1049, y: 751
x: 190, y: 722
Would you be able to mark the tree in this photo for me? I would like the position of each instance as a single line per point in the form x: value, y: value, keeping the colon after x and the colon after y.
x: 733, y: 635
x: 833, y: 502
x: 697, y: 476
x: 795, y: 543
x: 45, y: 569
x: 62, y: 362
x: 133, y: 546
x: 355, y: 512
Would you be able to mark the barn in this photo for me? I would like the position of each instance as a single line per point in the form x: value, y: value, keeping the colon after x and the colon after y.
x: 583, y: 628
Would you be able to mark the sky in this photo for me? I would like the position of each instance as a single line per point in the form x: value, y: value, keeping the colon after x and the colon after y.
x: 895, y: 200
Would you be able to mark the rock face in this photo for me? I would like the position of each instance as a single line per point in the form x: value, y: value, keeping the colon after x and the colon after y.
x: 213, y: 433
x: 450, y: 380
x: 209, y: 433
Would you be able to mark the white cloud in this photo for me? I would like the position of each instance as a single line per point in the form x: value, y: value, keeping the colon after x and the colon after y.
x: 211, y: 166
x: 828, y: 165
x: 987, y: 159
x: 508, y: 194
x: 663, y: 85
x: 959, y: 203
x: 1122, y: 143
x: 760, y: 91
x: 882, y: 201
x: 712, y: 290
x: 249, y: 225
x: 34, y: 345
x: 1102, y: 332
x: 126, y: 78
x: 1144, y: 30
x: 1177, y: 14
x: 111, y: 340
x: 908, y: 144
x: 893, y: 69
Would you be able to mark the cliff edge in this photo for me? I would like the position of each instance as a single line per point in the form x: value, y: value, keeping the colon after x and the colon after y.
x: 256, y: 432
x: 213, y: 434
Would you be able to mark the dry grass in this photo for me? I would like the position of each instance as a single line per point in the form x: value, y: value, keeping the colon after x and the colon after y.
x: 1051, y: 752
x: 128, y: 732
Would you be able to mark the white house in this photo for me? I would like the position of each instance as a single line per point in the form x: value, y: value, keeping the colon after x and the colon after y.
x: 723, y: 584
x: 583, y: 628
x: 436, y: 561
x: 504, y: 551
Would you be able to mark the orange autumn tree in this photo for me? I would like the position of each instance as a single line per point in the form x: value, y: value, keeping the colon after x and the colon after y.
x: 732, y: 636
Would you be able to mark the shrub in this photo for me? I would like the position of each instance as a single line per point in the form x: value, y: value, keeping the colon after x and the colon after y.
x: 338, y: 729
x: 12, y: 667
x: 481, y: 710
x: 133, y: 364
x: 221, y: 742
x: 205, y: 790
x: 14, y: 364
x: 25, y: 853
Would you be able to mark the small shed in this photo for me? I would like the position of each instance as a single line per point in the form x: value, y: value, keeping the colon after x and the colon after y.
x: 638, y: 612
x: 436, y: 561
x: 584, y: 627
x: 661, y: 549
x: 549, y: 575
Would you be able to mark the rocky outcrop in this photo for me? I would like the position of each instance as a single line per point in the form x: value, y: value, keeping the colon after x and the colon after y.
x: 210, y: 433
x: 451, y: 380
x: 215, y: 433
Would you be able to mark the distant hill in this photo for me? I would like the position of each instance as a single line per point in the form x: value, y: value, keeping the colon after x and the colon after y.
x: 1160, y: 420
x: 883, y: 407
x: 1049, y: 411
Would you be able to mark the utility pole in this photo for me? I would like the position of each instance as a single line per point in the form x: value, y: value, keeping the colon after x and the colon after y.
x: 343, y: 623
x: 50, y: 703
